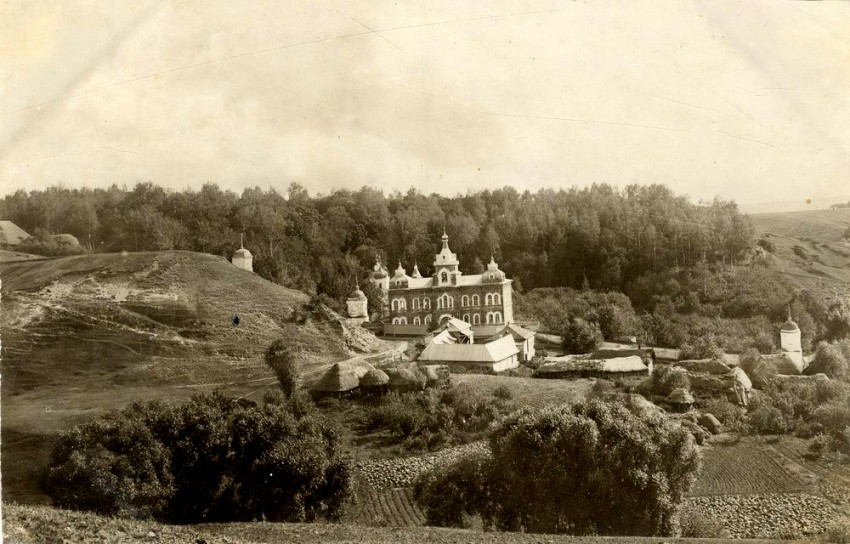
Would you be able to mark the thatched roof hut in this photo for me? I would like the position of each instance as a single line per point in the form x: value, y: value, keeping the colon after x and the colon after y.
x: 374, y: 378
x: 339, y: 379
x: 362, y: 368
x: 681, y: 399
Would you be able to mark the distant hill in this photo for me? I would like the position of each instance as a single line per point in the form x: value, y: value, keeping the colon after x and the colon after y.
x: 810, y: 247
x: 88, y: 333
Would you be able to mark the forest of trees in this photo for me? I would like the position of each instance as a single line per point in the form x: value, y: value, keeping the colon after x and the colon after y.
x: 600, y: 234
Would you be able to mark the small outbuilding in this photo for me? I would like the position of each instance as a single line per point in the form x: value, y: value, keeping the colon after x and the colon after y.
x: 242, y: 258
x: 339, y: 381
x: 374, y: 382
x: 680, y: 400
x: 496, y: 356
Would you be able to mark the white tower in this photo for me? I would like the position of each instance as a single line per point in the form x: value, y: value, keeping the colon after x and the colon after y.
x: 357, y: 304
x: 790, y: 342
x: 242, y: 258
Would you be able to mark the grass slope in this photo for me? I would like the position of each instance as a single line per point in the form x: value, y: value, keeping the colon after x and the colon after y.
x: 85, y: 334
x: 810, y: 248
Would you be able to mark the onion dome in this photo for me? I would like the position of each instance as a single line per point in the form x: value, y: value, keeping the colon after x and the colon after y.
x: 493, y: 274
x: 400, y: 277
x: 378, y: 271
x: 789, y: 324
x: 357, y: 294
x: 416, y: 273
x: 242, y: 252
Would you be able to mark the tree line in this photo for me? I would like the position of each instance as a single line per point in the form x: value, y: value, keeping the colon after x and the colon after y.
x: 600, y: 235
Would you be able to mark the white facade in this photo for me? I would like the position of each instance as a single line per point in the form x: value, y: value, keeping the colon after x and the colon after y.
x: 790, y: 342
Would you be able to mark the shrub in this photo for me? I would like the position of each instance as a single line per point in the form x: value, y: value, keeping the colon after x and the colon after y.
x: 503, y: 392
x: 209, y: 459
x: 767, y: 420
x: 730, y: 415
x: 436, y: 418
x: 279, y: 358
x: 699, y: 525
x: 665, y: 379
x: 580, y: 336
x: 704, y: 347
x: 838, y: 531
x: 579, y: 469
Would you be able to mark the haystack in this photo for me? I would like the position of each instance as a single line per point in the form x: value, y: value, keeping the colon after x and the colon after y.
x: 375, y: 381
x: 340, y: 379
x: 403, y: 379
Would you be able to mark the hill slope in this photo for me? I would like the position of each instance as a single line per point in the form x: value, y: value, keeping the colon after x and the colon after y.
x: 809, y: 246
x: 85, y: 334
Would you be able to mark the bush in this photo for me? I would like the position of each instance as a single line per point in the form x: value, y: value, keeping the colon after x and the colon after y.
x: 704, y: 347
x: 730, y: 415
x: 579, y: 469
x: 839, y: 531
x: 209, y: 459
x: 279, y: 358
x: 433, y: 419
x: 699, y: 525
x: 665, y: 379
x: 580, y: 336
x: 767, y: 420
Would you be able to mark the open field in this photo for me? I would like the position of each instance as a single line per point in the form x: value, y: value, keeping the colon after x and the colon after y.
x: 810, y: 248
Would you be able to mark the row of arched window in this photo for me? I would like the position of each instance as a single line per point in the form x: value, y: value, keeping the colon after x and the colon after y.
x: 445, y: 301
x: 491, y: 318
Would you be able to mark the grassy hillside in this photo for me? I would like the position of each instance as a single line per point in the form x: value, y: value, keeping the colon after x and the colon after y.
x: 810, y: 247
x: 85, y: 334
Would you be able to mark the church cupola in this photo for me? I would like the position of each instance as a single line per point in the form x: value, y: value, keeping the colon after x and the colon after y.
x: 493, y: 274
x: 242, y: 258
x: 416, y: 273
x: 400, y: 277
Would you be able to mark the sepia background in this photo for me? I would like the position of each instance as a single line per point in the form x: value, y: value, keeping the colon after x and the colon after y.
x: 746, y: 100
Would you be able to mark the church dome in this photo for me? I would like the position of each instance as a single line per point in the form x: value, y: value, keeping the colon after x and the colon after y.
x: 416, y: 273
x: 789, y: 326
x: 242, y: 252
x: 493, y: 274
x: 357, y: 294
x: 378, y: 271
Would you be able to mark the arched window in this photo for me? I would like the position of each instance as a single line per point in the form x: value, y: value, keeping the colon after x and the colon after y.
x: 466, y: 317
x: 476, y: 319
x: 427, y: 319
x: 440, y: 303
x: 416, y: 321
x: 475, y: 300
x: 444, y: 277
x: 402, y: 320
x: 426, y: 303
x: 450, y: 301
x: 394, y: 306
x: 415, y: 303
x: 497, y: 317
x: 464, y: 300
x: 489, y: 317
x: 396, y: 321
x: 487, y: 299
x: 497, y: 299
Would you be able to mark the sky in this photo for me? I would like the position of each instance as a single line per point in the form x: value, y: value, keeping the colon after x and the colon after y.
x: 743, y: 100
